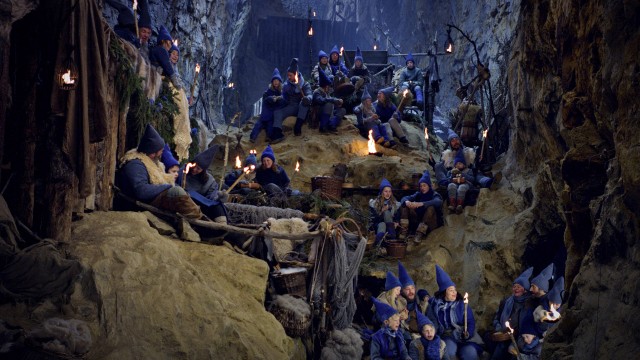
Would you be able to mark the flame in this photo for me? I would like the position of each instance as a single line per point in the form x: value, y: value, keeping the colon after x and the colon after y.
x: 371, y: 144
x: 466, y: 298
x: 135, y: 5
x: 310, y: 32
x: 297, y: 166
x: 506, y: 323
x: 554, y: 313
x: 484, y: 133
x: 404, y: 94
x: 66, y: 78
x: 238, y: 162
x: 175, y: 42
x: 426, y: 134
x: 231, y: 85
x: 375, y: 47
x: 252, y: 167
x: 449, y: 48
x: 189, y: 166
x: 296, y: 77
x: 314, y: 13
x: 254, y: 151
x: 341, y: 50
x: 197, y: 68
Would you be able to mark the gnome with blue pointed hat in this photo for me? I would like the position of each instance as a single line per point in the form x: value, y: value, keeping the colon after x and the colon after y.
x: 245, y: 185
x: 322, y: 66
x: 389, y: 115
x: 420, y: 210
x: 547, y: 313
x: 171, y: 165
x: 145, y: 27
x: 329, y: 108
x: 513, y: 308
x: 428, y: 346
x: 540, y: 284
x: 460, y: 181
x: 412, y: 78
x: 415, y: 304
x: 388, y: 342
x: 369, y: 121
x: 529, y: 344
x: 385, y: 213
x: 359, y: 74
x: 271, y: 177
x: 125, y: 28
x: 446, y: 310
x: 159, y: 57
x: 141, y: 176
x: 391, y: 296
x: 337, y: 66
x: 272, y: 100
x: 298, y: 96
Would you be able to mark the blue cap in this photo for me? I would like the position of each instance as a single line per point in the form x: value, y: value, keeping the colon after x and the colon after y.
x: 358, y: 55
x: 426, y: 178
x: 174, y: 48
x: 409, y: 58
x: 323, y: 79
x: 322, y: 54
x: 459, y: 157
x: 422, y: 320
x: 251, y: 160
x: 151, y: 142
x: 542, y: 280
x: 268, y: 152
x: 335, y: 50
x: 163, y: 34
x: 365, y: 94
x: 443, y: 279
x: 125, y: 13
x: 422, y: 293
x: 523, y: 279
x: 167, y: 158
x: 384, y: 183
x: 388, y: 91
x: 205, y: 158
x: 276, y: 75
x: 293, y: 66
x: 384, y: 311
x: 452, y: 135
x: 145, y: 15
x: 555, y: 295
x: 405, y: 279
x: 391, y: 282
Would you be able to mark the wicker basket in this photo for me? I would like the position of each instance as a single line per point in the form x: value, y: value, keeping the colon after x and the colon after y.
x: 328, y: 185
x: 293, y: 324
x: 294, y: 283
x: 396, y: 249
x: 371, y: 240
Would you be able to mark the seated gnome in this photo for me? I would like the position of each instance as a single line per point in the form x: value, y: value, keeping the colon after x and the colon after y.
x: 539, y: 287
x: 203, y: 188
x: 244, y: 186
x: 546, y: 314
x: 159, y: 57
x: 391, y: 296
x: 460, y: 181
x: 446, y: 311
x: 142, y: 177
x: 420, y: 209
x: 384, y: 213
x: 368, y: 120
x: 388, y: 341
x: 428, y: 346
x: 328, y: 107
x: 414, y: 304
x: 512, y: 309
x: 171, y: 165
x: 271, y: 177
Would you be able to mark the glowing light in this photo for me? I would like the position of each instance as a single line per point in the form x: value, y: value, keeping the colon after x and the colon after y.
x: 404, y: 94
x: 175, y: 42
x: 238, y: 162
x: 375, y: 47
x: 371, y: 144
x: 449, y: 49
x: 66, y: 78
x: 426, y: 134
x: 310, y: 32
x: 484, y: 133
x: 231, y: 85
x: 297, y: 166
x: 508, y: 327
x: 189, y: 166
x: 555, y: 315
x: 197, y: 68
x: 466, y: 298
x: 341, y: 50
x: 135, y: 5
x: 314, y: 13
x: 296, y: 77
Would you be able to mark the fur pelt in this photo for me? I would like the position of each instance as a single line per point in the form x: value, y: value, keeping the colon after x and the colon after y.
x: 155, y: 169
x: 342, y: 344
x: 286, y: 226
x: 448, y: 156
x: 296, y: 305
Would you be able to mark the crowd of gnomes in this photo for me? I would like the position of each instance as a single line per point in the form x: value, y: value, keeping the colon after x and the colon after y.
x: 413, y: 325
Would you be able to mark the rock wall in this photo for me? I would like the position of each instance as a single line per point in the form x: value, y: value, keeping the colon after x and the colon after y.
x: 573, y: 76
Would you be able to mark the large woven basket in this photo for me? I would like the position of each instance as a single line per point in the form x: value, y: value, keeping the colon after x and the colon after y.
x: 396, y: 249
x: 294, y: 324
x: 294, y: 283
x: 329, y: 186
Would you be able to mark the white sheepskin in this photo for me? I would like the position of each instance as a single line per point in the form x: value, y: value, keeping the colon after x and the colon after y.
x: 282, y: 247
x: 298, y: 306
x: 342, y: 345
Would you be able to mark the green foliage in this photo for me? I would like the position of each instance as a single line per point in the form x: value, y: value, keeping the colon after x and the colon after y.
x: 195, y: 139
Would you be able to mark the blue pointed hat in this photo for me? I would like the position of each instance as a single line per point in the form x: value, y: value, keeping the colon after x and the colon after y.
x: 251, y: 160
x: 383, y: 311
x: 323, y: 80
x: 555, y: 295
x: 405, y: 279
x: 523, y: 279
x: 365, y: 94
x: 167, y: 158
x: 151, y: 142
x: 443, y: 279
x: 125, y: 14
x: 451, y: 135
x: 174, y: 48
x: 409, y: 58
x: 335, y: 50
x: 358, y: 55
x: 387, y: 91
x: 422, y: 293
x: 426, y: 178
x: 322, y: 54
x: 145, y: 15
x: 276, y: 75
x: 268, y: 152
x: 163, y: 34
x: 459, y: 157
x: 391, y: 282
x: 542, y: 280
x: 205, y: 158
x: 422, y: 320
x: 384, y: 183
x: 293, y: 66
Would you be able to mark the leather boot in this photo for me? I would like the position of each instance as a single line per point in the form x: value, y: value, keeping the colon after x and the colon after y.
x: 421, y: 232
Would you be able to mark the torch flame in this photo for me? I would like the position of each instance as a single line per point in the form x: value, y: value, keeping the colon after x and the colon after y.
x: 450, y: 48
x: 135, y: 5
x: 506, y: 323
x: 484, y: 133
x: 189, y: 166
x: 252, y: 167
x: 254, y: 151
x: 175, y: 42
x: 296, y: 77
x: 310, y: 32
x: 231, y: 85
x: 297, y: 166
x: 466, y: 298
x: 426, y: 134
x: 404, y: 94
x: 375, y: 47
x: 341, y: 50
x: 554, y: 313
x: 66, y: 77
x: 197, y: 68
x: 371, y: 144
x: 314, y: 13
x: 238, y: 162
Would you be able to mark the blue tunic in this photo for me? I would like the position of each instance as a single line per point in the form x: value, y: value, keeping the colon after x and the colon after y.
x: 268, y: 176
x: 133, y: 181
x: 159, y: 56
